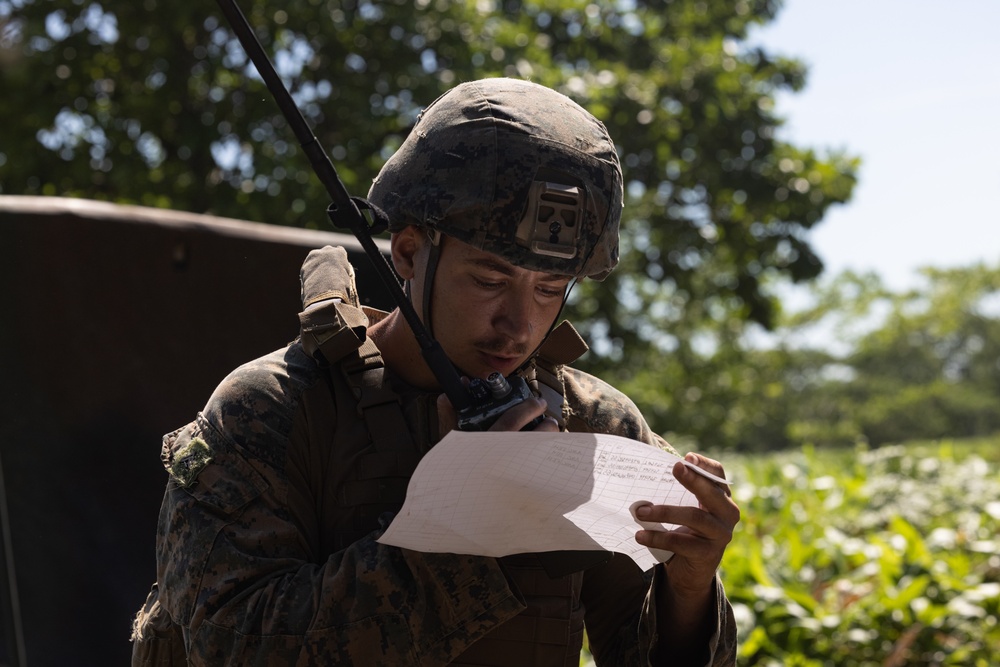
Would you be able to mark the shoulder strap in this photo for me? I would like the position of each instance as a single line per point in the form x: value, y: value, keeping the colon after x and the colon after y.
x: 333, y: 331
x: 377, y: 403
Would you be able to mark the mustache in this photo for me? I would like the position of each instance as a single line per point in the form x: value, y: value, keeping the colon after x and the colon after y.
x: 502, y: 347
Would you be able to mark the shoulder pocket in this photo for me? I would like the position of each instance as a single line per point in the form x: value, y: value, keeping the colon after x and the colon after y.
x: 210, y: 468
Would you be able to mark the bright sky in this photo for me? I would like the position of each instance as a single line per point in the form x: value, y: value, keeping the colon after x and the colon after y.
x: 913, y: 87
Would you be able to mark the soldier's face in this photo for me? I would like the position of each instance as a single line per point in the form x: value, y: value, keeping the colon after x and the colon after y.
x: 488, y: 314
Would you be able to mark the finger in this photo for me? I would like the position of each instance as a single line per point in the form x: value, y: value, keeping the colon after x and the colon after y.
x: 691, y: 519
x: 688, y: 546
x: 714, y: 502
x: 547, y: 425
x: 708, y: 465
x: 523, y: 414
x: 714, y: 497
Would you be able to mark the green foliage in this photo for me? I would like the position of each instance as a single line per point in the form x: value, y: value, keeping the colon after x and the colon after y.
x: 927, y: 365
x: 861, y: 364
x: 155, y: 103
x: 858, y: 557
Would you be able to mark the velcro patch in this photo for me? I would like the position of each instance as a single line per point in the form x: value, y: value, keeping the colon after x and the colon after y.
x: 189, y: 461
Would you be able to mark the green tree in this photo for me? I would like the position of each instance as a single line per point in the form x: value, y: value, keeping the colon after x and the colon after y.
x: 155, y: 103
x: 932, y: 370
x: 922, y: 363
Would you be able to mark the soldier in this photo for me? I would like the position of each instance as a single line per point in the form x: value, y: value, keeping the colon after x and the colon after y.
x: 504, y: 193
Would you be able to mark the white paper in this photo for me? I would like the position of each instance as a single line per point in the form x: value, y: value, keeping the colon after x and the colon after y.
x: 496, y: 494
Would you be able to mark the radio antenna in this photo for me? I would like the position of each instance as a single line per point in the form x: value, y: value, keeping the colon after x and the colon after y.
x: 343, y: 210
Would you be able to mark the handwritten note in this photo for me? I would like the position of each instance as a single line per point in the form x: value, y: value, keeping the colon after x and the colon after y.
x: 496, y: 494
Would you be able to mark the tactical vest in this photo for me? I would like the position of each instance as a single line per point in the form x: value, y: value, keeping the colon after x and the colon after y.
x: 383, y: 455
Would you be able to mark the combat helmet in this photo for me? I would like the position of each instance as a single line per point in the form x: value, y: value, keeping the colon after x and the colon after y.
x: 512, y: 168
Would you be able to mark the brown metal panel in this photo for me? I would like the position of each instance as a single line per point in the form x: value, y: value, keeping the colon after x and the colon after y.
x: 116, y: 322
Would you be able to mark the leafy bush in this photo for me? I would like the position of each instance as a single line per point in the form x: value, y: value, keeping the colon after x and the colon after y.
x: 885, y: 557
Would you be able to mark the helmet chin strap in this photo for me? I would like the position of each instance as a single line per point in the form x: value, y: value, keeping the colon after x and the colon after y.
x: 433, y: 256
x: 569, y: 287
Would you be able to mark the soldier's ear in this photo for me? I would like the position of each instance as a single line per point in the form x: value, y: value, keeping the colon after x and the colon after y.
x: 406, y: 245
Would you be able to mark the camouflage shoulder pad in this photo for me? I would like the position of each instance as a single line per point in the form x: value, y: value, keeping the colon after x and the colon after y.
x: 332, y: 324
x: 327, y: 274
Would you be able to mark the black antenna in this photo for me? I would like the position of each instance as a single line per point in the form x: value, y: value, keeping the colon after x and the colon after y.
x: 556, y: 563
x: 347, y: 213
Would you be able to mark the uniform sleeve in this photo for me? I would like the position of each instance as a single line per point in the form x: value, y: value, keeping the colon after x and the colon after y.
x: 721, y: 648
x: 238, y: 572
x: 621, y: 607
x: 621, y: 617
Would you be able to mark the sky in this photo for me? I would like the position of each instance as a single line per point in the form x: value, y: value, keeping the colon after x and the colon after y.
x: 913, y: 88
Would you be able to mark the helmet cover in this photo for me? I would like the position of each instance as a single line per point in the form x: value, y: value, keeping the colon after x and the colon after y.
x: 470, y: 167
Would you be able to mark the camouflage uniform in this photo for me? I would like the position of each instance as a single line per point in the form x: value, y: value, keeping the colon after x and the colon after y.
x: 250, y: 571
x: 266, y: 550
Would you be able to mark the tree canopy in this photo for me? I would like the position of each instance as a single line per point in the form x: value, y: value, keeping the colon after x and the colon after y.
x: 156, y: 103
x: 861, y: 364
x: 926, y: 366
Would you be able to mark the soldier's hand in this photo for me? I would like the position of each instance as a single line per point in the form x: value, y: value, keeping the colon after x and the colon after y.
x: 703, y: 532
x: 514, y: 419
